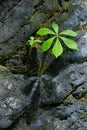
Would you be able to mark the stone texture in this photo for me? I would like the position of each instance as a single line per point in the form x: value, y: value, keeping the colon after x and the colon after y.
x: 15, y: 95
x: 63, y: 102
x: 49, y: 98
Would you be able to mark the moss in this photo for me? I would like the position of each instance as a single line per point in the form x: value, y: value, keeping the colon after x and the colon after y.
x: 46, y: 126
x: 81, y: 27
x: 26, y: 70
x: 19, y: 70
x: 1, y: 60
x: 3, y: 68
x: 85, y: 59
x: 60, y: 15
x: 85, y: 27
x: 83, y: 98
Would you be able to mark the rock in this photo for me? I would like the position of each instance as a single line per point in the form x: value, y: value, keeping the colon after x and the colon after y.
x: 14, y: 98
x: 56, y: 89
x: 61, y: 109
x: 6, y: 6
x: 53, y: 91
x: 53, y: 99
x: 61, y: 118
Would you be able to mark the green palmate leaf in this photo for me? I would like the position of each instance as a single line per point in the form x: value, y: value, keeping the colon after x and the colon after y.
x: 69, y: 33
x: 55, y: 27
x: 47, y: 44
x: 44, y: 31
x: 57, y: 49
x: 70, y: 43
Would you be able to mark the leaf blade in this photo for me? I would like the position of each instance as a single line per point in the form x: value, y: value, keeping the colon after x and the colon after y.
x: 57, y: 49
x: 47, y: 44
x: 69, y: 33
x: 37, y: 41
x: 55, y: 27
x: 44, y: 31
x: 70, y: 43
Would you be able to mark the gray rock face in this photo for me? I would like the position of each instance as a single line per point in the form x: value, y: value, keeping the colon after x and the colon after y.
x: 58, y: 88
x: 55, y: 99
x: 63, y: 102
x: 13, y: 97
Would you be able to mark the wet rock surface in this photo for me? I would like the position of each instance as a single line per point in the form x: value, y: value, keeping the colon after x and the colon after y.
x: 56, y: 98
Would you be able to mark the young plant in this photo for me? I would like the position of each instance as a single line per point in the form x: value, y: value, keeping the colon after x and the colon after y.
x: 57, y: 37
x: 33, y: 42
